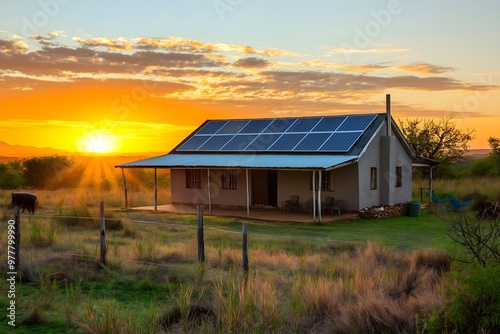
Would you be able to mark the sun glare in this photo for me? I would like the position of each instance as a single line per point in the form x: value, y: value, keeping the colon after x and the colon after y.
x: 98, y: 142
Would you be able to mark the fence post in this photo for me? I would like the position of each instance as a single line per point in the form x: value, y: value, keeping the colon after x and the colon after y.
x: 17, y: 237
x: 103, y: 235
x: 201, y: 242
x: 245, y: 247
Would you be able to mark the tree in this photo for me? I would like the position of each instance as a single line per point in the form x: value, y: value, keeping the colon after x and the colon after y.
x: 51, y: 172
x: 436, y: 139
x: 495, y: 147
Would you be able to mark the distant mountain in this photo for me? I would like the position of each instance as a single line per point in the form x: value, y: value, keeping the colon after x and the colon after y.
x: 25, y: 151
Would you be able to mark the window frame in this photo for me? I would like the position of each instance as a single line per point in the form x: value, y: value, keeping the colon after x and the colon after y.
x: 399, y: 176
x: 229, y: 179
x: 373, y: 178
x: 193, y: 178
x: 327, y: 181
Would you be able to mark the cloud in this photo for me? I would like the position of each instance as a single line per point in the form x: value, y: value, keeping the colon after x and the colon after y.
x: 425, y: 68
x: 109, y: 43
x: 251, y: 62
x: 189, y: 70
x: 8, y: 46
x: 347, y: 50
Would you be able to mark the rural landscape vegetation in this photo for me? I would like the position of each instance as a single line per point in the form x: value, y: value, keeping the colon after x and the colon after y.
x: 89, y: 85
x: 403, y: 274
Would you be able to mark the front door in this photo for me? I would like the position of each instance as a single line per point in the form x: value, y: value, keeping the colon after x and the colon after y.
x: 265, y: 187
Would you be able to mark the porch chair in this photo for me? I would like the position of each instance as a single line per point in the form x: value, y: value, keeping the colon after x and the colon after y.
x: 338, y: 206
x: 458, y: 205
x: 328, y: 204
x: 294, y: 203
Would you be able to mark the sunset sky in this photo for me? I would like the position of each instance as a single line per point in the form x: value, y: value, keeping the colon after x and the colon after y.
x: 138, y: 76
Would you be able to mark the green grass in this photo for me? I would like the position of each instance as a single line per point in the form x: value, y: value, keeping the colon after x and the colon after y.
x: 299, y: 273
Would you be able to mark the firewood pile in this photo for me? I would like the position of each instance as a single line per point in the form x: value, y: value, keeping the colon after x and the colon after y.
x: 489, y: 210
x: 385, y: 211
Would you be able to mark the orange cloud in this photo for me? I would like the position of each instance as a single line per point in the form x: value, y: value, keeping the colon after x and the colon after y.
x: 425, y: 68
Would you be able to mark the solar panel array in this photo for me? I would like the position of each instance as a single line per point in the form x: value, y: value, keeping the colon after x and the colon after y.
x: 311, y: 134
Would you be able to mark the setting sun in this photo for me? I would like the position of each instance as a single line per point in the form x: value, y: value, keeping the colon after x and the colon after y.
x: 98, y: 141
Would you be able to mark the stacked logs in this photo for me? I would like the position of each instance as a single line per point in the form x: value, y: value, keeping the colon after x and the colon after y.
x: 385, y: 211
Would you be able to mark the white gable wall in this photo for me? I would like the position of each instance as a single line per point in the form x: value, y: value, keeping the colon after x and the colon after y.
x: 372, y: 158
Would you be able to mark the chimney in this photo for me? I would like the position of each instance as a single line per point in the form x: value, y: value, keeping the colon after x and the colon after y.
x: 388, y: 113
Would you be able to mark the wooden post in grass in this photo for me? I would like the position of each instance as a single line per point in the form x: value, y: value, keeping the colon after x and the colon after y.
x: 245, y: 247
x: 125, y: 188
x: 17, y: 239
x: 103, y: 235
x: 201, y: 242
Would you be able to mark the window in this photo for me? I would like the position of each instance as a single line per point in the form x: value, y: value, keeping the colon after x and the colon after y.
x: 373, y: 178
x: 193, y: 178
x: 399, y: 176
x: 229, y: 179
x: 326, y: 181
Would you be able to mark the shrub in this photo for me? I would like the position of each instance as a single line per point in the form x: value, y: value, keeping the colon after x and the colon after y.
x: 78, y: 215
x: 39, y: 235
x: 472, y: 303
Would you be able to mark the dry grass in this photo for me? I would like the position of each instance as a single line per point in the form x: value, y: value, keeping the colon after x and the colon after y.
x: 300, y: 287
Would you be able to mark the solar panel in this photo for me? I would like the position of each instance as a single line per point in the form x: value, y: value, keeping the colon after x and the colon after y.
x: 238, y: 143
x: 308, y: 134
x: 303, y: 125
x: 312, y: 142
x: 193, y: 143
x: 287, y: 142
x: 329, y: 124
x: 215, y: 143
x: 357, y: 123
x: 211, y: 127
x: 232, y: 127
x: 256, y: 126
x: 263, y: 142
x: 340, y: 142
x: 279, y: 125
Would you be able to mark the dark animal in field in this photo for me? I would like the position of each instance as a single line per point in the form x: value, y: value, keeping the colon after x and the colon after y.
x: 24, y: 200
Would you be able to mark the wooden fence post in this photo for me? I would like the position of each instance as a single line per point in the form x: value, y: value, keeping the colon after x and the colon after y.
x: 103, y: 235
x: 245, y: 247
x: 201, y: 242
x: 17, y: 237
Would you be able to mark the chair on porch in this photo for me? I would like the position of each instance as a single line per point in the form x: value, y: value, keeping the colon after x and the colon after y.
x: 294, y: 203
x: 338, y: 206
x: 291, y: 204
x: 328, y: 204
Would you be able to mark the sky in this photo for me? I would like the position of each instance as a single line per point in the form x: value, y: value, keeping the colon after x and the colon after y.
x: 139, y: 76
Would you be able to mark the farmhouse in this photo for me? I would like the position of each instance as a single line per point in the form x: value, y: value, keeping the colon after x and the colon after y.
x: 291, y: 163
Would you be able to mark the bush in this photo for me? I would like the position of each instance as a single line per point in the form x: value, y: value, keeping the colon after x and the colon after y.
x: 51, y: 172
x: 10, y: 178
x: 472, y: 303
x: 488, y: 166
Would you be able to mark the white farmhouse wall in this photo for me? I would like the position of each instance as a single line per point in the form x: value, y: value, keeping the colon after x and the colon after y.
x: 371, y: 158
x: 181, y: 194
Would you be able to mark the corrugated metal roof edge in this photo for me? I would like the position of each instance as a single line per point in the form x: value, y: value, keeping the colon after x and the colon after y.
x: 327, y: 164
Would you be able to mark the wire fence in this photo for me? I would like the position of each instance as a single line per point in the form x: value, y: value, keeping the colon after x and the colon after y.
x: 244, y: 232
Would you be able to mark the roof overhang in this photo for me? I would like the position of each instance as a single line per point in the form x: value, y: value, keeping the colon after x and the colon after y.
x: 250, y: 161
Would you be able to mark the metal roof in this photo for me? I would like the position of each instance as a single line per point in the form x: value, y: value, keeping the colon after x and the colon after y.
x: 274, y: 161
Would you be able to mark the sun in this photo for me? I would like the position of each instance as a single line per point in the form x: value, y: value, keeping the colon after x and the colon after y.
x: 98, y: 142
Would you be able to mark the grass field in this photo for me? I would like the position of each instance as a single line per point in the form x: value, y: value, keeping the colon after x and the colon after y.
x: 347, y: 276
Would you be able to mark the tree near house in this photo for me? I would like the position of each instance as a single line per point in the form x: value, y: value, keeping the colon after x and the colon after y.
x: 495, y: 147
x: 439, y: 140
